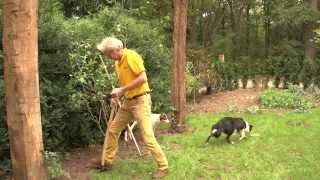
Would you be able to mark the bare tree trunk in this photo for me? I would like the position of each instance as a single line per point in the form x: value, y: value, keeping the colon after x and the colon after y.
x: 193, y: 32
x: 179, y: 59
x: 223, y: 21
x: 308, y: 35
x: 248, y: 28
x: 267, y: 22
x: 233, y: 27
x: 20, y: 42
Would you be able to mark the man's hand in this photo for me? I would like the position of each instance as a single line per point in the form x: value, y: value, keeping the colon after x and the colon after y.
x: 117, y: 92
x: 115, y: 101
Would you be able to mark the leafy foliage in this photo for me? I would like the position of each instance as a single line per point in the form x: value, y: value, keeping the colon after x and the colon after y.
x: 54, y: 165
x: 192, y: 81
x: 291, y: 98
x: 76, y: 80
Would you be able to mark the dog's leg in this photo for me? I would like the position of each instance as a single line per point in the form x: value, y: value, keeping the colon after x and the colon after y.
x: 207, y: 141
x: 242, y: 135
x: 228, y: 139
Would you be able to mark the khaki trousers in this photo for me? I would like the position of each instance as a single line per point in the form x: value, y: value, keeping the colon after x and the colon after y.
x: 140, y: 110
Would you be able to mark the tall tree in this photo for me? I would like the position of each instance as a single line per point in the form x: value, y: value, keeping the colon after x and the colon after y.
x: 267, y: 24
x: 308, y: 35
x: 20, y: 42
x: 233, y: 27
x: 179, y: 60
x: 248, y: 27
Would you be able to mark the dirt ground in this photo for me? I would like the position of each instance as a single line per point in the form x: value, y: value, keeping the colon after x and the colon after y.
x: 223, y: 101
x: 77, y: 162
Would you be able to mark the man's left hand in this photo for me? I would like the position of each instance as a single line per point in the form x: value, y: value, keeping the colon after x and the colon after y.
x: 117, y: 92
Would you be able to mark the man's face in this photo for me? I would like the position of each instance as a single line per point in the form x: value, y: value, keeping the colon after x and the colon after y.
x: 114, y: 54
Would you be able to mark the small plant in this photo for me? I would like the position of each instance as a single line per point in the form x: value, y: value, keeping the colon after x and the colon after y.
x: 314, y: 93
x: 289, y: 98
x: 232, y: 108
x: 296, y: 89
x: 53, y: 162
x: 253, y: 110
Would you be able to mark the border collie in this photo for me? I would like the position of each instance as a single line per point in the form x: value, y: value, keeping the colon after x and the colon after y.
x: 230, y: 125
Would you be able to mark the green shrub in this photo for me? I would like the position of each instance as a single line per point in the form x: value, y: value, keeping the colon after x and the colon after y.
x: 54, y: 165
x: 273, y: 98
x: 314, y: 93
x: 74, y: 85
x: 226, y: 74
x: 192, y: 81
x: 149, y: 42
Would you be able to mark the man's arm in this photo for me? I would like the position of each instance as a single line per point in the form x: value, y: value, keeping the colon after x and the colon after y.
x: 118, y: 92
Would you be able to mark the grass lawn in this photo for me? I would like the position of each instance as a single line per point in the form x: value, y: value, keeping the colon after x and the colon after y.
x: 287, y: 148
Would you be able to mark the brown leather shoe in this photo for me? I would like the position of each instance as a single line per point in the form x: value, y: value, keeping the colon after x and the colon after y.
x: 96, y: 163
x: 106, y: 167
x: 160, y: 174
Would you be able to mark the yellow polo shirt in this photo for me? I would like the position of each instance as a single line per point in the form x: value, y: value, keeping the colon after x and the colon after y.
x: 128, y: 69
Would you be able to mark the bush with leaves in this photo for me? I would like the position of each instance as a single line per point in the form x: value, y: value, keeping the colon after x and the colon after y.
x: 192, y: 81
x: 53, y: 162
x: 91, y: 80
x: 75, y: 81
x: 150, y: 43
x: 291, y: 98
x: 226, y: 75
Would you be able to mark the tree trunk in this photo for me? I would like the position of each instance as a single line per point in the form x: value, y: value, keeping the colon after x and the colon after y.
x: 194, y: 29
x: 308, y: 35
x: 223, y: 22
x: 267, y: 22
x: 248, y: 29
x: 20, y: 42
x: 179, y: 59
x: 233, y: 27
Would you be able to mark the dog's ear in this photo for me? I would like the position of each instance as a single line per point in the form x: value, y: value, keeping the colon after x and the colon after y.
x: 250, y: 127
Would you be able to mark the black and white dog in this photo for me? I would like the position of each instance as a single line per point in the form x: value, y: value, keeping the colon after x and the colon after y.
x: 230, y: 125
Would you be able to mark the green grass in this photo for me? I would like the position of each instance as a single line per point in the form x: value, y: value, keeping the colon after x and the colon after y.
x: 287, y: 148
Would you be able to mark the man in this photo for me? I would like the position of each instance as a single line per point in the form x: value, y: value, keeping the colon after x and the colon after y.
x: 137, y: 104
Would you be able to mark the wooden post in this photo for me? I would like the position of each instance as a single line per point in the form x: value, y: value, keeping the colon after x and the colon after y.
x: 20, y: 43
x: 179, y: 60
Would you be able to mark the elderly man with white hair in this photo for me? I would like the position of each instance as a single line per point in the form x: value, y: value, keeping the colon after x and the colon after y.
x: 137, y: 104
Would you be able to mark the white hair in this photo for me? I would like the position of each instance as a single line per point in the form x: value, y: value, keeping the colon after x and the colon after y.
x: 109, y: 43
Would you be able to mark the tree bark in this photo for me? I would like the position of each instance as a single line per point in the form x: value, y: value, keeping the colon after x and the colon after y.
x: 233, y: 27
x: 267, y: 22
x: 248, y: 28
x: 179, y: 59
x: 20, y: 42
x: 308, y: 35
